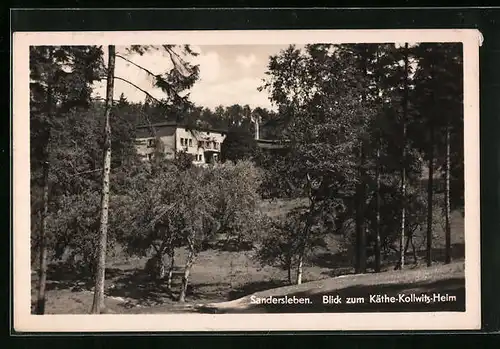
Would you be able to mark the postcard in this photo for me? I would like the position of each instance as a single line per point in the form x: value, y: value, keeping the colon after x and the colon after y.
x: 269, y: 180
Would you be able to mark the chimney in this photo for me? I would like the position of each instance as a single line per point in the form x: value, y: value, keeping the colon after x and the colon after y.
x: 255, y: 119
x: 257, y: 128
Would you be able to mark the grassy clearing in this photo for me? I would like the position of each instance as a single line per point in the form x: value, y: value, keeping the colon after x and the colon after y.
x: 221, y: 276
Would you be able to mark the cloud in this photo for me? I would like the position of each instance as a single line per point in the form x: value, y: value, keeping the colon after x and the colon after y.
x: 157, y: 62
x: 213, y: 89
x: 241, y: 91
x: 246, y: 61
x: 210, y: 66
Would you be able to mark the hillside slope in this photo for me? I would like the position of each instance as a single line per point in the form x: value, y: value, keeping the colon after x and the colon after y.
x: 441, y: 279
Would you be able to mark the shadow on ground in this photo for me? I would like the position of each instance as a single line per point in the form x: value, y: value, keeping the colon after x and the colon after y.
x: 438, y: 254
x: 253, y: 287
x: 63, y: 276
x: 340, y: 264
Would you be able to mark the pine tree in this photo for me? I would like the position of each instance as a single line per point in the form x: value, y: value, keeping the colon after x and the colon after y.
x: 61, y: 79
x: 439, y: 93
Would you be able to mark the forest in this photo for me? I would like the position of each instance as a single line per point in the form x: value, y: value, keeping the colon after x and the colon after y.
x: 371, y: 169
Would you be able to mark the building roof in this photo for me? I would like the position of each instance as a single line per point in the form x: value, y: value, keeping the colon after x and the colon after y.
x: 181, y: 125
x: 271, y: 144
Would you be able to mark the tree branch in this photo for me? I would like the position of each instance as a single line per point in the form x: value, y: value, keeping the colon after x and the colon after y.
x: 147, y: 94
x: 171, y: 53
x: 140, y: 89
x: 138, y: 66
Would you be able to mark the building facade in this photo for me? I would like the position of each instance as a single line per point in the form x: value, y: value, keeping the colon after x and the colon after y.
x: 203, y: 144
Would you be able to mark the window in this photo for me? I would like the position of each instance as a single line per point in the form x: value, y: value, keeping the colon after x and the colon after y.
x: 190, y: 142
x: 151, y: 143
x: 208, y: 133
x: 150, y: 156
x: 216, y: 145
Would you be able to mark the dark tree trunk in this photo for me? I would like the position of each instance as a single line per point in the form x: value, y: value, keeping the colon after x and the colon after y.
x: 360, y: 221
x: 414, y: 251
x: 361, y: 192
x: 160, y: 265
x: 289, y: 269
x: 430, y: 198
x: 42, y: 272
x: 98, y: 304
x: 43, y: 248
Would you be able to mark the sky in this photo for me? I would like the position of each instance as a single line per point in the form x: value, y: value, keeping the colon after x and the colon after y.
x: 228, y: 75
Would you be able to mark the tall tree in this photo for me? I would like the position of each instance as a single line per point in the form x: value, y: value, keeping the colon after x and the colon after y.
x: 61, y: 77
x: 180, y: 77
x: 440, y: 98
x: 403, y: 167
x: 98, y: 304
x: 317, y: 92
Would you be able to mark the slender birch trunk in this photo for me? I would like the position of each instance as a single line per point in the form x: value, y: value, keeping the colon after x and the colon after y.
x: 377, y: 232
x: 447, y: 199
x: 98, y: 304
x: 430, y: 186
x: 300, y: 268
x: 171, y: 270
x: 377, y: 191
x: 185, y: 277
x: 403, y: 169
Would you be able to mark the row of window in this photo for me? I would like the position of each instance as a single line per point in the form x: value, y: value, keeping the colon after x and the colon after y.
x: 188, y: 142
x: 197, y: 157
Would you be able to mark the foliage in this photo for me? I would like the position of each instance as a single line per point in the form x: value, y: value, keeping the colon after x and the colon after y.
x: 239, y: 144
x: 343, y: 109
x: 236, y: 199
x: 283, y: 243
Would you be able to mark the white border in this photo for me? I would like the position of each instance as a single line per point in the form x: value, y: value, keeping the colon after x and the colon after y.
x: 24, y: 321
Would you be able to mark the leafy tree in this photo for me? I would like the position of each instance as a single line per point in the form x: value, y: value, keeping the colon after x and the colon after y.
x: 316, y: 92
x: 239, y: 144
x: 61, y: 79
x: 282, y: 245
x: 236, y: 200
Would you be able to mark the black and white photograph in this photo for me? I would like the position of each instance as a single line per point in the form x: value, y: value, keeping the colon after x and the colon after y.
x: 226, y: 177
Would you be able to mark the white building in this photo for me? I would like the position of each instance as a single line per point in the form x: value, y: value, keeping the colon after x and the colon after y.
x: 203, y: 144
